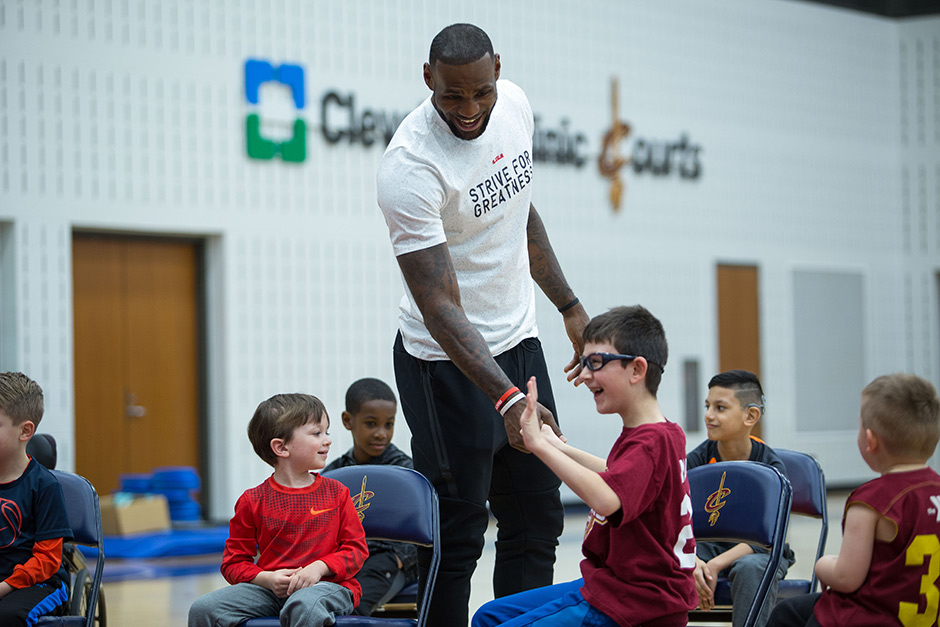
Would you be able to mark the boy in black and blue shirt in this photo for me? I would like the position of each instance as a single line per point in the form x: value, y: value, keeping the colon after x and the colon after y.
x: 33, y: 519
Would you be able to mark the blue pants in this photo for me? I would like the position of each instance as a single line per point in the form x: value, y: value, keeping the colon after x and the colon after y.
x: 561, y: 605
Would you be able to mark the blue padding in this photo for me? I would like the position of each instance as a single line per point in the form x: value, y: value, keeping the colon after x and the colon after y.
x: 175, y: 478
x: 175, y: 543
x: 128, y: 570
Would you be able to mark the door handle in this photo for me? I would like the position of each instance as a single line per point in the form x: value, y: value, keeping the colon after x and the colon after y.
x: 131, y: 408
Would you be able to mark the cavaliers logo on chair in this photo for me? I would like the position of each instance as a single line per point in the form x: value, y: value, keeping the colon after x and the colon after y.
x: 361, y: 500
x: 715, y: 501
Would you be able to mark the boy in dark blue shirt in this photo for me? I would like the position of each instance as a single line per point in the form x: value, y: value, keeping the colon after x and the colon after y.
x: 370, y: 417
x: 33, y: 519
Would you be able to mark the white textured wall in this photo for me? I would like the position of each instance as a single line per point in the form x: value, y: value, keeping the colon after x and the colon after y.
x: 820, y: 140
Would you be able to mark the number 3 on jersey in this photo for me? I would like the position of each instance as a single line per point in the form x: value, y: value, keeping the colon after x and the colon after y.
x: 924, y: 546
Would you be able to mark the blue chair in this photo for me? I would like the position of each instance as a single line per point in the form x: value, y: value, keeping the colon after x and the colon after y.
x: 397, y: 504
x: 84, y: 512
x: 809, y: 499
x: 741, y: 502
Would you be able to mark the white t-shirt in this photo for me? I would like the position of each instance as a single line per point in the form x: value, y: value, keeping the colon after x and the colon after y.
x: 473, y: 194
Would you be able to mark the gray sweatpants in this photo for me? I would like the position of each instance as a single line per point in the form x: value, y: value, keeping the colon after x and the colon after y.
x: 745, y: 574
x: 313, y: 606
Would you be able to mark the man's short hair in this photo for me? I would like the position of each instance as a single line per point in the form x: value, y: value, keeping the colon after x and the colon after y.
x: 745, y: 384
x: 459, y: 44
x: 633, y: 331
x: 20, y: 398
x: 903, y: 410
x: 365, y: 390
x: 277, y: 417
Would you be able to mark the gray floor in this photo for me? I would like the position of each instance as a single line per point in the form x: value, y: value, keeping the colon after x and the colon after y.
x: 163, y: 602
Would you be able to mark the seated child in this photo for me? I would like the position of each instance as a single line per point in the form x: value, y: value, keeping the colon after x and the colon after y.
x: 887, y: 569
x: 33, y: 581
x: 303, y: 529
x: 734, y: 405
x: 370, y: 417
x: 638, y: 548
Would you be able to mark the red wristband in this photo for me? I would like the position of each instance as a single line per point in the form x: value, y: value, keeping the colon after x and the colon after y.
x: 506, y: 395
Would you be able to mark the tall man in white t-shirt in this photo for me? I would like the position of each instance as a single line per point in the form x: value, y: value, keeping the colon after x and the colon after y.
x: 455, y: 186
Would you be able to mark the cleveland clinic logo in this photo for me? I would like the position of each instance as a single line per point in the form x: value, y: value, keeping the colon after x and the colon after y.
x: 289, y: 146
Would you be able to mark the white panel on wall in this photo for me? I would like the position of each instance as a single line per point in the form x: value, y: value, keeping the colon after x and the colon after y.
x: 829, y: 324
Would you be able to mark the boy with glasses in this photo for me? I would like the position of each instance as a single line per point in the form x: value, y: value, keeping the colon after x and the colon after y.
x: 734, y: 405
x: 638, y: 548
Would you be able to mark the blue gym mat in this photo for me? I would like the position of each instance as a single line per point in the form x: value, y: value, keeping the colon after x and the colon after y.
x: 173, y: 543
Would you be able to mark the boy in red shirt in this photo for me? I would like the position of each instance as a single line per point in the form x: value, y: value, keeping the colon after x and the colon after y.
x: 302, y: 527
x: 887, y: 570
x: 638, y: 548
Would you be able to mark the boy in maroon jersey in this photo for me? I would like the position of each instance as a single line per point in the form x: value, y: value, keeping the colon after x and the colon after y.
x: 302, y: 527
x: 888, y: 568
x: 638, y: 548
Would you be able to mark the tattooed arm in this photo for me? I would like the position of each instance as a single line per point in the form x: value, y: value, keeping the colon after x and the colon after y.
x: 432, y: 280
x: 546, y: 271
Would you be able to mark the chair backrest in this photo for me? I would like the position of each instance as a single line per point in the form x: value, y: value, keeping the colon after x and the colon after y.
x: 84, y: 513
x: 397, y: 504
x: 742, y: 502
x: 809, y: 494
x: 42, y: 448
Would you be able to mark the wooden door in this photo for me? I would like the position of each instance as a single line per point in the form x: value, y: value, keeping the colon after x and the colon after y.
x: 136, y: 356
x: 739, y: 321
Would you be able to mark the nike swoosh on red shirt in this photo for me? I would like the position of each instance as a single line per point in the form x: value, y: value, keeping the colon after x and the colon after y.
x: 317, y: 512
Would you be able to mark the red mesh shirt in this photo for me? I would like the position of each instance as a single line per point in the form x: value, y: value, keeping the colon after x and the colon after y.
x: 292, y: 528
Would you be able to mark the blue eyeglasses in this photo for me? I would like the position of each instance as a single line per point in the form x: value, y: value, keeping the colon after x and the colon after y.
x: 596, y: 361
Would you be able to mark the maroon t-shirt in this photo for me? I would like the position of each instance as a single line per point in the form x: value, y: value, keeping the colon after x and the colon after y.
x: 902, y: 583
x: 639, y: 561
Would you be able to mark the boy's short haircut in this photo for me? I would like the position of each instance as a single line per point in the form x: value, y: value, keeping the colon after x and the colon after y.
x: 745, y: 384
x: 633, y: 331
x: 20, y: 398
x: 365, y: 390
x: 904, y: 411
x: 277, y: 417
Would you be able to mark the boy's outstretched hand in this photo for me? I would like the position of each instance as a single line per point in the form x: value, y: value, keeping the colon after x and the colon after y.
x: 535, y: 432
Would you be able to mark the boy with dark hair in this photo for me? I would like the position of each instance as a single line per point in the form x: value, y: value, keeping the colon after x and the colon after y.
x: 638, y: 547
x: 303, y: 529
x: 370, y: 417
x: 886, y: 571
x: 734, y: 405
x: 33, y: 580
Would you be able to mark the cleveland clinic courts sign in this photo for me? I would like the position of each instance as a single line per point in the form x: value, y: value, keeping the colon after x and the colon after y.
x: 277, y: 128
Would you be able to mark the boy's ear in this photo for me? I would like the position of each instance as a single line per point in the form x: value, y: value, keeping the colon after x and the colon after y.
x: 347, y: 420
x: 638, y: 369
x: 279, y: 446
x: 751, y: 415
x: 27, y: 430
x: 872, y: 440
